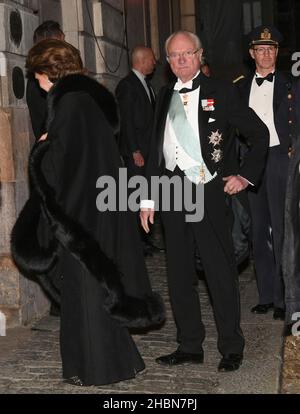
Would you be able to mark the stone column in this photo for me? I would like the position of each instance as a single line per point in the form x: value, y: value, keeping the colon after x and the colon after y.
x: 97, y: 29
x: 21, y: 300
x: 188, y: 15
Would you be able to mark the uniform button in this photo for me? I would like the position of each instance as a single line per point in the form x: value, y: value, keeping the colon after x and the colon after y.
x: 289, y: 96
x: 290, y: 109
x: 290, y: 122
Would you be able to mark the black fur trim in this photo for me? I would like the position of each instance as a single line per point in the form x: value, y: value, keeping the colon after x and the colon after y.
x: 129, y: 311
x: 138, y: 313
x: 27, y: 254
x: 75, y: 83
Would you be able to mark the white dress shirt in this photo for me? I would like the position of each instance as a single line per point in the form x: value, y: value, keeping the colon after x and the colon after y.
x: 261, y: 101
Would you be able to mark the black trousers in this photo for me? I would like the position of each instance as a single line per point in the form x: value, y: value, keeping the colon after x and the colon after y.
x: 267, y: 213
x: 213, y: 239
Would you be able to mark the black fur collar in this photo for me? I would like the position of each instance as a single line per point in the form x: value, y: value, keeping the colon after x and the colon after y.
x: 76, y: 83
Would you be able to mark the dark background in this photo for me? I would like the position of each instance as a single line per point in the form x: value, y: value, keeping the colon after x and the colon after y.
x: 223, y: 26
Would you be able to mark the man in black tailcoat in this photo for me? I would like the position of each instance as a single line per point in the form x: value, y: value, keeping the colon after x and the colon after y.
x: 193, y: 138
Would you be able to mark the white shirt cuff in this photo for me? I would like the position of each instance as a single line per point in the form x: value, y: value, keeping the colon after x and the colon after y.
x: 147, y: 204
x: 247, y: 180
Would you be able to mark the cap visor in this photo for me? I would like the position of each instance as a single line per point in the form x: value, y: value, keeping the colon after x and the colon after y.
x: 264, y: 42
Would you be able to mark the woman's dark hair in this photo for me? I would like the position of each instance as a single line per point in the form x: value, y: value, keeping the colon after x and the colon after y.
x: 55, y: 58
x: 48, y: 30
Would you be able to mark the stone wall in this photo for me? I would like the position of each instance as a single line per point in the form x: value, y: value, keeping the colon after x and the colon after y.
x: 20, y: 299
x: 96, y: 28
x: 188, y: 15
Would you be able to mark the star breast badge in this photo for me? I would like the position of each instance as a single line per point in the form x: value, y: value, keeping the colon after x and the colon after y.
x: 217, y: 155
x: 215, y: 138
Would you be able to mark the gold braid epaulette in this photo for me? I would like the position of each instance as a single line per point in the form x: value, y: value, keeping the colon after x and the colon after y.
x: 239, y: 78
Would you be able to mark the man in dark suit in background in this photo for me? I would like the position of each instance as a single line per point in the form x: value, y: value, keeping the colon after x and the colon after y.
x: 35, y: 96
x: 193, y: 138
x: 136, y: 99
x: 269, y: 93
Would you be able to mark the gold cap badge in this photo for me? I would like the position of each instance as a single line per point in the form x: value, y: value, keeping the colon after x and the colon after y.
x: 265, y: 35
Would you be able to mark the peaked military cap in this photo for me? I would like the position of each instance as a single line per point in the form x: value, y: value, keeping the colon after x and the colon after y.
x: 265, y: 35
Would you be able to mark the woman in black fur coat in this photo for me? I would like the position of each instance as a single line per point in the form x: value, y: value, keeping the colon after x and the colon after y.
x: 105, y: 286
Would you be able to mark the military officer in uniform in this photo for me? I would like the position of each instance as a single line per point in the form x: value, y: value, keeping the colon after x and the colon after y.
x: 269, y: 93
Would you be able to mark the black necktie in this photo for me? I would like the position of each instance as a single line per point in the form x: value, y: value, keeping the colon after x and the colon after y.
x: 151, y: 93
x: 269, y: 78
x: 196, y: 84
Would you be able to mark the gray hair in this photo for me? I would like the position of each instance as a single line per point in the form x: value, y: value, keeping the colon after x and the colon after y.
x: 196, y: 40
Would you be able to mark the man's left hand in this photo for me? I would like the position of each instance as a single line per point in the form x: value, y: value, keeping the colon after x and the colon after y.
x: 235, y: 184
x: 43, y: 137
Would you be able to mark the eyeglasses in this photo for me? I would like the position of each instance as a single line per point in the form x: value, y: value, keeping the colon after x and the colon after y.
x: 263, y: 50
x: 187, y: 55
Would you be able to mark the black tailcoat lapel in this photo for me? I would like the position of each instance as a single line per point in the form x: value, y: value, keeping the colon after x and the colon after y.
x: 280, y: 90
x: 245, y: 88
x: 163, y: 104
x: 207, y: 91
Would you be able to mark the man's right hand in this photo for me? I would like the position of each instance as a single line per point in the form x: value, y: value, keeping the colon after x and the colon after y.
x: 146, y: 214
x: 138, y: 159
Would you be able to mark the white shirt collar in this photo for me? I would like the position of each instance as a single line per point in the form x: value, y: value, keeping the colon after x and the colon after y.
x: 179, y: 84
x: 257, y: 75
x: 139, y: 74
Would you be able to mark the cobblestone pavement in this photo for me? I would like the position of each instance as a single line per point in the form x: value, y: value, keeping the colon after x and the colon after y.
x: 291, y: 366
x: 30, y: 360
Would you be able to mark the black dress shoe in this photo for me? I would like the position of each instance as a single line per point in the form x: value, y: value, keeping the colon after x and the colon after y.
x: 260, y: 309
x: 230, y: 362
x: 74, y: 381
x: 179, y: 357
x: 279, y: 314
